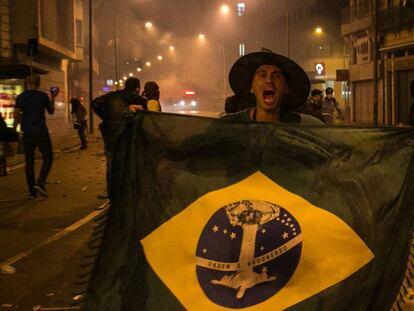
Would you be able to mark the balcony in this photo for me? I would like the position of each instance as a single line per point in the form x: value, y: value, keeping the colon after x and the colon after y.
x: 395, y: 18
x: 356, y: 18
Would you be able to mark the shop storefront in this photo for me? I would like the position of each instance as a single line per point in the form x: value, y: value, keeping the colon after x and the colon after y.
x: 9, y: 90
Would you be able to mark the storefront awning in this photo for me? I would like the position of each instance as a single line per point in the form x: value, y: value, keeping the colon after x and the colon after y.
x: 19, y: 71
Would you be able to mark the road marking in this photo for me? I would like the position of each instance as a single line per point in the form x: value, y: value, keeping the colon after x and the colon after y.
x: 57, y: 236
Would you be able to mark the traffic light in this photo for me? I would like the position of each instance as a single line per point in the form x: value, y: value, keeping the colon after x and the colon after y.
x: 32, y: 47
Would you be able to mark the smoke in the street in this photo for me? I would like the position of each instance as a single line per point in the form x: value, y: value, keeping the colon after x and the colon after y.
x: 203, y: 64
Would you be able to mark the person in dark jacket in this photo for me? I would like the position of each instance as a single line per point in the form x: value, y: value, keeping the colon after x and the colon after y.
x: 6, y: 135
x: 80, y: 124
x: 31, y: 106
x: 237, y: 103
x: 111, y: 108
x: 330, y: 108
x: 313, y: 105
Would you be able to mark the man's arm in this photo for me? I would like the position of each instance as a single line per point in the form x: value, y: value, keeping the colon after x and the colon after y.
x: 17, y: 117
x: 337, y: 106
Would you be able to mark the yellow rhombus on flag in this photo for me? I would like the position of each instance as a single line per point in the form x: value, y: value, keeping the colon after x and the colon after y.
x: 253, y: 246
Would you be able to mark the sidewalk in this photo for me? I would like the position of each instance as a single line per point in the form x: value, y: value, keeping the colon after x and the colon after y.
x: 44, y: 239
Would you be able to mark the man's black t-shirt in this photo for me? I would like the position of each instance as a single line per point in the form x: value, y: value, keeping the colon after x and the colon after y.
x: 33, y: 103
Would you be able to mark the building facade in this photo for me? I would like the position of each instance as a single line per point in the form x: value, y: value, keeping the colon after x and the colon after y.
x: 44, y: 38
x: 381, y: 36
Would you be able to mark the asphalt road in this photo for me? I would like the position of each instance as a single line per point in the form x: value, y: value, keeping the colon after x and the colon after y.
x: 45, y: 239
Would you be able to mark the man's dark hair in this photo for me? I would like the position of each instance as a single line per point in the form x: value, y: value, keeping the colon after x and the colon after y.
x: 131, y: 84
x: 151, y: 90
x: 316, y: 92
x: 33, y: 80
x: 329, y: 90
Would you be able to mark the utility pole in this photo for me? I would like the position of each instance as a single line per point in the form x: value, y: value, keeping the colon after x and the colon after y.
x: 375, y: 59
x: 90, y: 70
x: 116, y: 50
x: 287, y: 27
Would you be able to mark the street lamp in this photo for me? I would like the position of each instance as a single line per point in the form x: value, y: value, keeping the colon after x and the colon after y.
x: 148, y: 25
x: 201, y: 36
x: 224, y: 9
x: 318, y: 30
x: 148, y: 64
x: 172, y: 48
x: 159, y: 57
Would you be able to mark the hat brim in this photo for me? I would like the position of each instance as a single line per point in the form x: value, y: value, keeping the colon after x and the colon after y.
x: 242, y: 72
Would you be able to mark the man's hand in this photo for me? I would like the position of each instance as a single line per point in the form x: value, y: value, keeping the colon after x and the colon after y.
x: 134, y: 108
x: 54, y: 92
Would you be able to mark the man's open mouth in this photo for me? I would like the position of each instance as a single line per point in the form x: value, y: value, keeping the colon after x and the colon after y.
x: 268, y: 96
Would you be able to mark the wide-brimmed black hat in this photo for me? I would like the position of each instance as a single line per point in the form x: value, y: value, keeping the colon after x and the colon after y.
x: 241, y: 76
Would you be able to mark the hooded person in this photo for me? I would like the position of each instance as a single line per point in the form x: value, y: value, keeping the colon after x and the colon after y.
x: 330, y: 108
x: 279, y: 86
x: 152, y: 94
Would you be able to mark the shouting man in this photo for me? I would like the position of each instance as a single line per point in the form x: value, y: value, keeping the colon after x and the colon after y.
x: 278, y: 84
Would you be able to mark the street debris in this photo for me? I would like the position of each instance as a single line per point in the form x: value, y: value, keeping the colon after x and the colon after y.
x: 7, y: 269
x: 40, y: 308
x: 77, y: 298
x: 84, y: 188
x: 7, y: 305
x: 50, y: 294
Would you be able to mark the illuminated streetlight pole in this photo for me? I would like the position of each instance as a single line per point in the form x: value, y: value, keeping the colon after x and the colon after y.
x: 90, y: 70
x: 221, y: 46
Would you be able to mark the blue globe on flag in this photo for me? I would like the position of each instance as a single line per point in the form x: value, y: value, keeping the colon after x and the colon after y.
x: 247, y: 252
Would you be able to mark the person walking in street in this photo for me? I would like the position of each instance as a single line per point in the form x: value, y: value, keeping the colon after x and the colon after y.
x: 313, y: 105
x: 152, y: 94
x: 6, y: 135
x: 80, y: 124
x: 330, y: 108
x: 111, y: 108
x: 278, y: 84
x: 30, y: 112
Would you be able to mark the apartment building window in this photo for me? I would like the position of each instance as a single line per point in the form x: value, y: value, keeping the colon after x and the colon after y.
x: 79, y: 32
x: 241, y: 7
x: 242, y: 49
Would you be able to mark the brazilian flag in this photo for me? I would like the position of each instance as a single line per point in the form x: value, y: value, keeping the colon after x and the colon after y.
x: 209, y: 214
